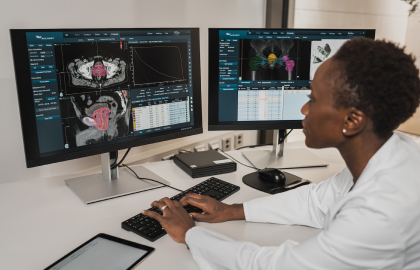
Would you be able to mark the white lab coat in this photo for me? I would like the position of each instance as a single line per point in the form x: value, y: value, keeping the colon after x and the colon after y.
x: 375, y: 226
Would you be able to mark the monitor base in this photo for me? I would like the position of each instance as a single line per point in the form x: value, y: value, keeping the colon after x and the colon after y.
x: 292, y: 181
x: 94, y: 188
x: 291, y: 158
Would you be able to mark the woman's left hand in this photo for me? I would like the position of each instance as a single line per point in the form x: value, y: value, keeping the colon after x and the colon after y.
x: 175, y: 219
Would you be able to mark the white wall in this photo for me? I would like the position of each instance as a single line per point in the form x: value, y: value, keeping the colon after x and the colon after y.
x: 388, y: 17
x: 103, y: 14
x: 412, y: 43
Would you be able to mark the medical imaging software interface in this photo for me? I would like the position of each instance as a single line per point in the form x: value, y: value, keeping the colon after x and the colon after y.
x: 92, y: 87
x: 265, y: 75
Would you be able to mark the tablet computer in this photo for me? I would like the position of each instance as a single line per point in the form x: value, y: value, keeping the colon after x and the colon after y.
x: 104, y: 252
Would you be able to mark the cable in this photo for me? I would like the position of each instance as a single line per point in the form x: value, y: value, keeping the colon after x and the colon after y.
x: 119, y: 163
x: 115, y: 160
x: 183, y: 151
x: 258, y: 145
x: 286, y: 135
x: 252, y: 167
x: 142, y: 178
x: 253, y: 146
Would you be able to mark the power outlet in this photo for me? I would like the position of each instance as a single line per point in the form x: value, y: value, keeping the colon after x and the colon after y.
x: 214, y: 145
x: 239, y: 140
x: 227, y: 144
x: 200, y: 148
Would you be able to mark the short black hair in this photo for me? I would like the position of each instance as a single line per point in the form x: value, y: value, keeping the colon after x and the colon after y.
x: 379, y: 79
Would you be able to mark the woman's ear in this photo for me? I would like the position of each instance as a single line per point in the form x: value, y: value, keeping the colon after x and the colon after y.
x: 355, y: 121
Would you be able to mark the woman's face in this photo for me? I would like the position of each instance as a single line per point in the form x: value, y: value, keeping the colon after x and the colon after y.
x: 323, y: 124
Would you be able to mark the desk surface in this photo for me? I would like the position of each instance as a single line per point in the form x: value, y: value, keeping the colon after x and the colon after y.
x: 42, y: 219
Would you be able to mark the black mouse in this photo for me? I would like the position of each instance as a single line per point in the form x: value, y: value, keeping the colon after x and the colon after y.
x: 272, y: 175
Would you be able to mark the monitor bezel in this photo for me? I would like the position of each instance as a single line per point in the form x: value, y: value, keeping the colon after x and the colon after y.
x: 26, y: 105
x: 213, y: 85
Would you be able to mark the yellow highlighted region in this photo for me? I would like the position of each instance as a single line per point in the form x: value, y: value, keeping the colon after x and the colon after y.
x: 272, y: 60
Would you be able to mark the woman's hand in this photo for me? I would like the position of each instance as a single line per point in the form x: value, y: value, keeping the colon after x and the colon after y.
x: 175, y: 219
x: 214, y: 211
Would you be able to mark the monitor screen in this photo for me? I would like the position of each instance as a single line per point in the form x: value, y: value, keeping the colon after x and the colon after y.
x: 89, y: 91
x: 260, y: 78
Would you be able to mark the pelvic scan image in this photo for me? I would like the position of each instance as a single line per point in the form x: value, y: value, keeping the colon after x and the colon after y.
x: 91, y: 67
x: 93, y: 118
x: 322, y: 50
x: 96, y: 71
x: 268, y: 59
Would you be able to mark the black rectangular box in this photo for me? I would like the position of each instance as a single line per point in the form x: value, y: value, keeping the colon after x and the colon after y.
x: 205, y: 163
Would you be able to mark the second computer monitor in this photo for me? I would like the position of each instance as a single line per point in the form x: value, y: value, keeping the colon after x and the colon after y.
x: 260, y: 78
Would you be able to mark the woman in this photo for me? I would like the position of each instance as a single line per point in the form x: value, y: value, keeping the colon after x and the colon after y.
x: 369, y: 212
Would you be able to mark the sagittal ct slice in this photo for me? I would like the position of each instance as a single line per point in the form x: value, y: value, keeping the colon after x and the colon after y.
x: 94, y: 118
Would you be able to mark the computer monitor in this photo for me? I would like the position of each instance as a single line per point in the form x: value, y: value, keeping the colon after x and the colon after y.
x: 85, y: 92
x: 259, y: 79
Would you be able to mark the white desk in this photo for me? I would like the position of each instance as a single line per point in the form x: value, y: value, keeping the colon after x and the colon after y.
x: 42, y: 219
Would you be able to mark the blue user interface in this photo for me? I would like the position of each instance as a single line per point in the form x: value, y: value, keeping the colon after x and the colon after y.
x: 265, y: 75
x: 92, y: 87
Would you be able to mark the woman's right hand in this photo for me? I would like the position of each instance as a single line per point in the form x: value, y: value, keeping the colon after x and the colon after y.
x: 213, y: 211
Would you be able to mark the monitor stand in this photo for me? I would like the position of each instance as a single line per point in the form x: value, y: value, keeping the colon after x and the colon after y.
x: 113, y: 183
x: 283, y: 158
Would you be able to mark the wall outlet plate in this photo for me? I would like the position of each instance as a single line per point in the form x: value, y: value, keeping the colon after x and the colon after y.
x: 239, y: 140
x: 227, y: 144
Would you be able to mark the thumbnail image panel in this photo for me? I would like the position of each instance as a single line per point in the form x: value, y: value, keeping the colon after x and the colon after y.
x: 322, y: 50
x: 154, y: 64
x: 93, y: 118
x: 91, y: 66
x: 268, y: 59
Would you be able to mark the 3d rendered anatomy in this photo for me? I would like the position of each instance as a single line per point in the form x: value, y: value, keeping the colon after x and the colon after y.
x: 271, y: 54
x: 322, y: 54
x: 321, y: 50
x: 98, y: 118
x: 96, y: 72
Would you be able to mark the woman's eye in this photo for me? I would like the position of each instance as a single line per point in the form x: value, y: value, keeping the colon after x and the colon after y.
x: 310, y: 98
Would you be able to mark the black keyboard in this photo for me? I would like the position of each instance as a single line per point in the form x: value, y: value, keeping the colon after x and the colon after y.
x: 150, y: 229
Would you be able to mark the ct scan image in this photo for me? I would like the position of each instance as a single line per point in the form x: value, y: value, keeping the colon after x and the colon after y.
x: 268, y: 59
x: 90, y: 67
x: 92, y: 118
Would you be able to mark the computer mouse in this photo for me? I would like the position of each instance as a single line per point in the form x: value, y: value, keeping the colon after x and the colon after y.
x: 272, y: 175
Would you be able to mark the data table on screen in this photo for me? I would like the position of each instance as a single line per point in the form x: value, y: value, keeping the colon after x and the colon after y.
x: 160, y: 115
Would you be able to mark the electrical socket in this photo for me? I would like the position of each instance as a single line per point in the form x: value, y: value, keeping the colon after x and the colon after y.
x: 200, y: 148
x: 227, y: 144
x: 239, y: 140
x: 214, y: 145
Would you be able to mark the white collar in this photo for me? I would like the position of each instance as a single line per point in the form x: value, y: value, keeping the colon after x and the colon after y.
x: 379, y: 161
